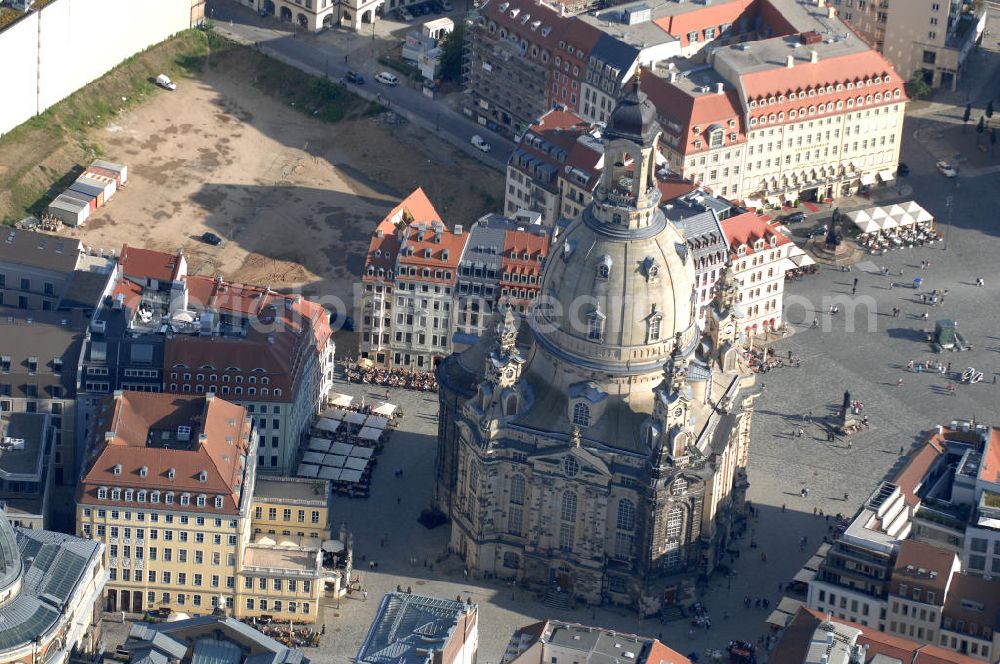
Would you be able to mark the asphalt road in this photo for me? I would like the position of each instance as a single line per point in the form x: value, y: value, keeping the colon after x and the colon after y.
x: 334, y: 52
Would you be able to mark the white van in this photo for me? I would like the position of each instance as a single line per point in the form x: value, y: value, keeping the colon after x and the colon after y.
x: 481, y: 143
x: 385, y: 78
x: 164, y: 82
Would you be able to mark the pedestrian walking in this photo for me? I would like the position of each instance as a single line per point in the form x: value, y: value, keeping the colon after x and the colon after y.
x: 899, y: 382
x: 364, y: 594
x: 980, y: 282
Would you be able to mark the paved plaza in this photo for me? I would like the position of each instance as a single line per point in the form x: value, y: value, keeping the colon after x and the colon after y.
x: 866, y: 357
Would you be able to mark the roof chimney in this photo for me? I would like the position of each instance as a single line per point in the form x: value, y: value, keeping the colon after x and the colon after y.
x: 719, y: 87
x: 673, y: 76
x: 831, y: 12
x: 789, y: 61
x: 813, y: 56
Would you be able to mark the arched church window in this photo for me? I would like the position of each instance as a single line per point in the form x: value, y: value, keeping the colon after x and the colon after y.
x: 715, y: 138
x: 473, y: 476
x: 517, y: 491
x: 581, y: 414
x: 569, y: 507
x: 654, y: 327
x: 595, y: 326
x: 510, y: 407
x: 672, y: 549
x: 679, y: 486
x: 626, y: 514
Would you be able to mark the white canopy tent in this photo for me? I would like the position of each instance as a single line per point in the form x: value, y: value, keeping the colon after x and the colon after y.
x: 308, y: 470
x: 343, y: 449
x: 334, y: 413
x: 342, y: 400
x: 386, y: 409
x: 313, y: 457
x: 319, y: 445
x: 326, y: 424
x: 355, y: 418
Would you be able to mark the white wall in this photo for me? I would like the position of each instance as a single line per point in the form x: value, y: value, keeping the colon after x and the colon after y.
x: 70, y: 43
x: 18, y: 49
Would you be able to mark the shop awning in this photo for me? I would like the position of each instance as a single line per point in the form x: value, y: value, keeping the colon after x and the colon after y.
x: 355, y: 418
x: 779, y: 619
x: 803, y: 261
x: 886, y: 176
x: 868, y: 179
x: 804, y: 576
x: 326, y: 424
x: 773, y: 201
x: 370, y: 433
x: 753, y: 203
x: 814, y: 563
x: 789, y: 605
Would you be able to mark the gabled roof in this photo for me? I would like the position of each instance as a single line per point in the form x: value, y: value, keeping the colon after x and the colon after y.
x: 39, y: 250
x: 139, y: 430
x: 147, y: 263
x: 745, y: 229
x: 910, y: 478
x: 712, y: 15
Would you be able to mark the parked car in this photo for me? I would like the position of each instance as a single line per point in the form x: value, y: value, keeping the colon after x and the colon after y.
x: 946, y: 169
x: 164, y: 82
x: 795, y: 217
x: 481, y: 143
x: 355, y: 78
x: 903, y: 170
x: 385, y: 78
x: 211, y: 238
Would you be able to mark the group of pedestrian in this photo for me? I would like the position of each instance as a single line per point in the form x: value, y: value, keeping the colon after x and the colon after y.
x: 756, y: 602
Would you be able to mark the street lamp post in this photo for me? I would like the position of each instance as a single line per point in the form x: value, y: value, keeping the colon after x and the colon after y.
x: 948, y: 202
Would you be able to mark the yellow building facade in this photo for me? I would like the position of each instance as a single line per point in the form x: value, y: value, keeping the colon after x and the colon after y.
x: 169, y: 490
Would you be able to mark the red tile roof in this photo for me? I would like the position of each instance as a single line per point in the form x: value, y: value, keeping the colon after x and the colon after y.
x: 157, y: 265
x: 989, y: 470
x: 911, y: 476
x: 914, y: 556
x: 131, y: 432
x: 780, y: 82
x: 673, y: 188
x: 747, y: 228
x: 702, y: 111
x: 794, y: 643
x: 965, y: 595
x: 713, y: 15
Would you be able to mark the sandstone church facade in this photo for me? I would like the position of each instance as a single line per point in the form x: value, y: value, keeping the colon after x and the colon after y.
x: 599, y: 446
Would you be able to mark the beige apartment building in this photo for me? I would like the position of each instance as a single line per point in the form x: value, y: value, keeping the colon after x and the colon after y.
x: 168, y: 488
x: 291, y: 507
x: 776, y: 124
x: 919, y: 587
x: 928, y: 38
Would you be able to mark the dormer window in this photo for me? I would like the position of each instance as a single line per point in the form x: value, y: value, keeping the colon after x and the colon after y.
x: 604, y: 267
x: 102, y: 493
x: 154, y: 497
x: 201, y: 500
x: 116, y: 494
x: 203, y: 476
x: 218, y: 502
x: 169, y: 498
x: 595, y: 325
x: 185, y: 499
x: 143, y: 471
x: 128, y: 495
x: 171, y: 473
x: 117, y: 470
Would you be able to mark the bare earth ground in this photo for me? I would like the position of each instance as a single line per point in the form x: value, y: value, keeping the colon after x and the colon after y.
x: 294, y: 198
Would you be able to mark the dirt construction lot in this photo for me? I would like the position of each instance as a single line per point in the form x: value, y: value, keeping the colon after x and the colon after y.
x: 294, y: 198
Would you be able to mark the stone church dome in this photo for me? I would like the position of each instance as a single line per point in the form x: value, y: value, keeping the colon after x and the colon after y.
x: 10, y: 558
x: 616, y: 298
